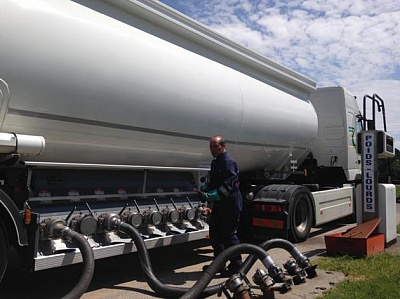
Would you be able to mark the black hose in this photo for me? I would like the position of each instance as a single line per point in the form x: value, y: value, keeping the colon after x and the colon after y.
x: 219, y: 261
x: 302, y: 260
x: 152, y: 280
x: 88, y: 262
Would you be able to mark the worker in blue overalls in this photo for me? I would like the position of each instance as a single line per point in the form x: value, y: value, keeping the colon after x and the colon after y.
x: 224, y: 194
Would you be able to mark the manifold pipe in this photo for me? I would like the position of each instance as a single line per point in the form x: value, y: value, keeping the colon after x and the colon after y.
x: 300, y: 258
x: 152, y: 280
x: 88, y: 262
x: 220, y: 260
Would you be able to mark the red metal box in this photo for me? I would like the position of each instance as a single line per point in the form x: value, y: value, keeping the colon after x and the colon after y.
x: 359, y: 241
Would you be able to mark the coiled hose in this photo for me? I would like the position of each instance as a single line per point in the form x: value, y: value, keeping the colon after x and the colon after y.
x: 220, y: 260
x: 301, y: 259
x: 152, y: 280
x: 88, y: 262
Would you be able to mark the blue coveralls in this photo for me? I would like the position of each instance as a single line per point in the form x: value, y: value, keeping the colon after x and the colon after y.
x: 225, y: 216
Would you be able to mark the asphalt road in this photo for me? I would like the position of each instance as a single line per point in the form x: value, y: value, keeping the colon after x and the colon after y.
x: 178, y: 266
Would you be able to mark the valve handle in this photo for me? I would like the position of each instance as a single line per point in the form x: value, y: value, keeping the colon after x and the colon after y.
x: 70, y: 214
x: 190, y: 203
x: 173, y: 203
x: 155, y: 202
x: 91, y: 213
x: 89, y: 209
x: 123, y: 209
x: 137, y: 206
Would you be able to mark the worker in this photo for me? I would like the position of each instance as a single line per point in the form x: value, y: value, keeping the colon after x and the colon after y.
x: 224, y: 195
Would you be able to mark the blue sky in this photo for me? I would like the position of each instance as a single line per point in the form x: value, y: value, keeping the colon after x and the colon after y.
x: 351, y: 43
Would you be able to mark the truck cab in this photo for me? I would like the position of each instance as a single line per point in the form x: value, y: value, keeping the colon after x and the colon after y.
x: 335, y: 146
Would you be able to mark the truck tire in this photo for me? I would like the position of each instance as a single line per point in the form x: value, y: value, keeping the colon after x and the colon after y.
x: 3, y: 251
x: 300, y: 217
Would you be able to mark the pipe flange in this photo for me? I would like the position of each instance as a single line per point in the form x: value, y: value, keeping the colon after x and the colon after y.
x: 135, y: 219
x: 155, y: 217
x: 87, y: 225
x: 109, y: 221
x: 173, y: 216
x: 189, y: 214
x: 53, y: 228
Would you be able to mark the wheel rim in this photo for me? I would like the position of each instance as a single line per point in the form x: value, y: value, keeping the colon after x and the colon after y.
x: 301, y: 215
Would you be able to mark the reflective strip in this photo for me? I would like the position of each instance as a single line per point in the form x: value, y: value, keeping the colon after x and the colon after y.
x: 272, y: 223
x: 223, y: 190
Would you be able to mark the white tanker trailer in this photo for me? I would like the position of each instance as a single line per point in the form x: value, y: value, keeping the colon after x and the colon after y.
x: 107, y: 90
x: 106, y: 111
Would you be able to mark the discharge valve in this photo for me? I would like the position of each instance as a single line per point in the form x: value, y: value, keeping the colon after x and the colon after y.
x: 187, y: 213
x: 86, y: 224
x: 153, y: 217
x: 134, y: 218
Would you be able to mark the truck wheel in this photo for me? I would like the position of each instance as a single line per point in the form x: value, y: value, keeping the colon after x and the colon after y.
x: 301, y: 217
x: 3, y: 251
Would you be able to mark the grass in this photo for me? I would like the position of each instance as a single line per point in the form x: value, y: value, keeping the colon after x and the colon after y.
x: 372, y: 277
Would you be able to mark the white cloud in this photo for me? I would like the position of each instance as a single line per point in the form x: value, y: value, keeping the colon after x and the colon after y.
x: 244, y: 35
x: 352, y: 43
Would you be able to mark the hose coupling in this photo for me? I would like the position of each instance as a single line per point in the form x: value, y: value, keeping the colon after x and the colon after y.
x: 303, y: 261
x: 298, y: 274
x: 109, y: 221
x: 276, y: 273
x: 311, y: 271
x: 53, y: 228
x: 237, y: 285
x: 265, y: 282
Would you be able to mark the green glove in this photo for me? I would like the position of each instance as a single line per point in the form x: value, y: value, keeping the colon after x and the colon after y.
x: 212, y: 195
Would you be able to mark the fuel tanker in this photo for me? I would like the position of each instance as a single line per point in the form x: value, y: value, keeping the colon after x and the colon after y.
x: 106, y: 111
x: 108, y: 90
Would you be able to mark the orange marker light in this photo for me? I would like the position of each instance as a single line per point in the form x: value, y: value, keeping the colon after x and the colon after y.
x: 28, y: 216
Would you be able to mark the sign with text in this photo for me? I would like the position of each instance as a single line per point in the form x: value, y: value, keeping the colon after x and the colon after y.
x: 369, y: 171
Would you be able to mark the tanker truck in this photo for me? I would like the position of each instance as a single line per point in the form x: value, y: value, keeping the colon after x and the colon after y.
x: 106, y: 112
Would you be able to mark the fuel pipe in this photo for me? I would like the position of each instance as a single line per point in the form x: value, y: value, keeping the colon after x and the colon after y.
x: 200, y: 289
x: 220, y: 260
x: 301, y: 259
x: 113, y: 221
x: 57, y: 229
